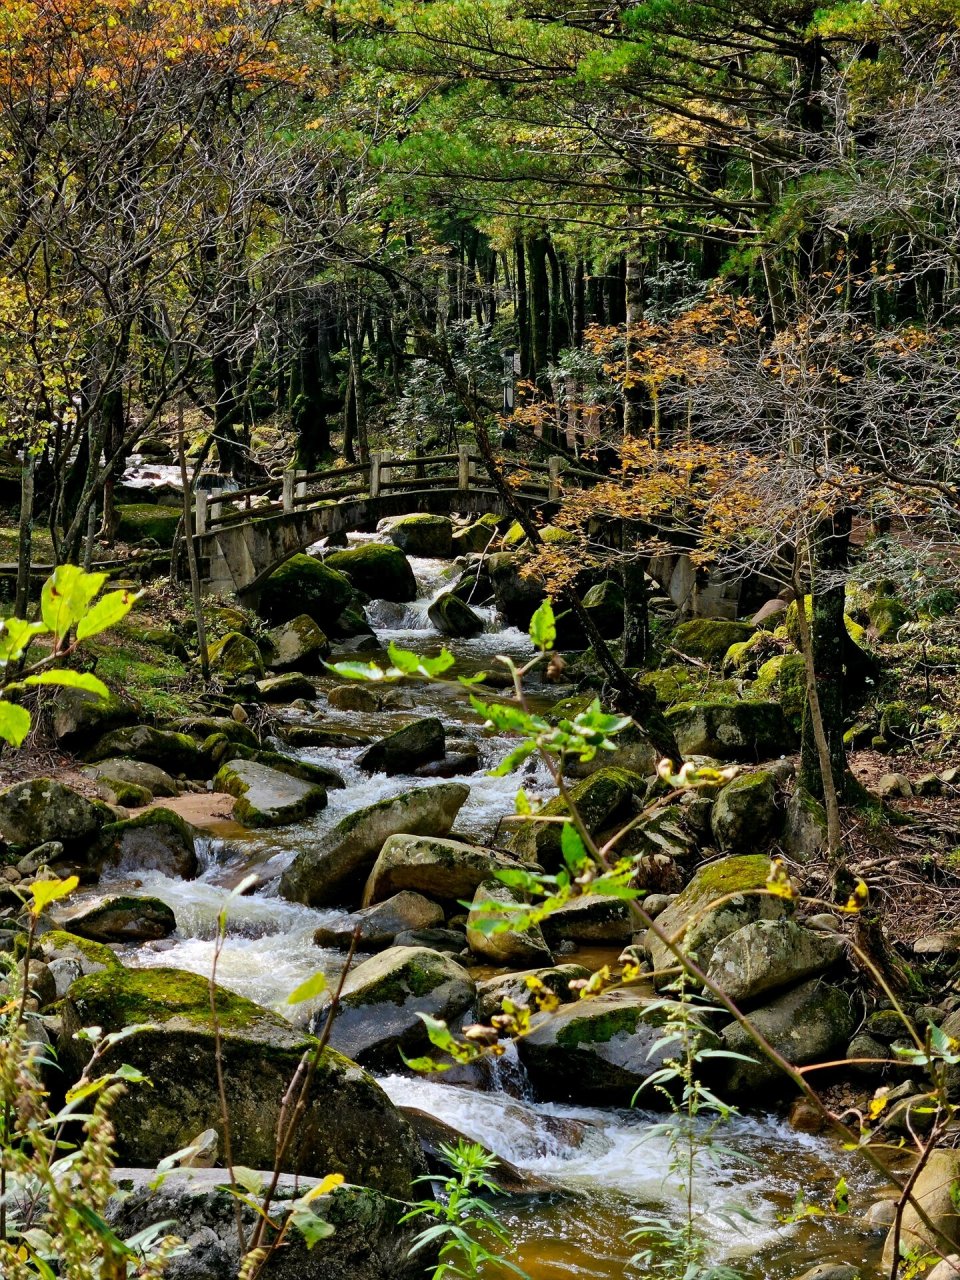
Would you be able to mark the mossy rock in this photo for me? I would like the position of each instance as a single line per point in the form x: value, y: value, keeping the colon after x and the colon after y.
x: 746, y: 657
x: 474, y: 538
x: 784, y: 678
x: 173, y: 752
x: 748, y: 731
x: 79, y: 716
x: 350, y: 1126
x: 406, y: 749
x: 604, y: 603
x: 224, y: 618
x: 452, y: 617
x: 157, y: 840
x: 60, y: 944
x: 681, y: 683
x: 166, y: 640
x: 307, y: 770
x: 148, y: 522
x: 708, y: 639
x: 517, y: 596
x: 123, y: 918
x: 792, y: 623
x: 745, y: 815
x: 422, y: 535
x: 297, y: 645
x: 36, y: 812
x: 379, y: 569
x: 495, y: 902
x: 602, y: 800
x: 127, y: 794
x: 235, y: 655
x: 267, y: 797
x: 447, y: 870
x: 305, y: 585
x: 202, y: 726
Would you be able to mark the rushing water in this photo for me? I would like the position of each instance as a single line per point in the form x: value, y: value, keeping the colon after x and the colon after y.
x: 606, y: 1165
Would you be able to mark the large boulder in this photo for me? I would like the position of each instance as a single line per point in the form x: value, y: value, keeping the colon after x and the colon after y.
x: 737, y: 885
x: 267, y: 797
x: 708, y: 639
x: 148, y: 522
x: 475, y: 538
x: 805, y: 828
x: 333, y: 870
x: 600, y: 1050
x: 296, y: 645
x: 604, y: 603
x: 745, y: 816
x: 492, y: 992
x: 80, y: 716
x: 731, y: 730
x: 452, y: 617
x: 603, y: 799
x: 784, y: 678
x: 592, y: 920
x: 34, y: 812
x: 406, y: 749
x: 517, y: 597
x: 381, y: 571
x: 156, y: 840
x: 810, y: 1023
x: 349, y: 1126
x: 174, y: 752
x: 368, y: 1241
x: 135, y: 773
x: 494, y: 901
x: 769, y: 954
x: 382, y: 999
x: 125, y: 918
x: 448, y: 870
x: 422, y: 535
x: 379, y: 925
x: 934, y: 1192
x: 305, y: 585
x: 235, y: 655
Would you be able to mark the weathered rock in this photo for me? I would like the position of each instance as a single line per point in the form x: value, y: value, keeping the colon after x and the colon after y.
x: 517, y: 597
x: 40, y: 982
x: 933, y: 1191
x: 306, y: 770
x: 508, y: 946
x: 784, y: 678
x: 455, y: 764
x: 204, y: 727
x: 383, y: 572
x: 805, y: 827
x: 80, y: 716
x: 602, y: 800
x: 599, y: 1050
x: 235, y: 655
x: 266, y: 797
x: 866, y: 1055
x: 894, y: 786
x: 70, y: 957
x: 421, y: 535
x: 125, y: 918
x: 305, y: 585
x: 136, y: 772
x: 380, y: 924
x: 595, y: 919
x: 745, y: 814
x: 449, y: 942
x: 174, y: 752
x: 148, y: 522
x: 353, y: 697
x: 350, y: 1126
x: 332, y: 870
x: 769, y: 954
x: 492, y: 992
x: 369, y: 1241
x: 831, y: 1271
x: 157, y: 840
x: 32, y: 813
x: 604, y: 603
x: 296, y: 645
x: 809, y: 1023
x: 319, y: 735
x: 452, y: 617
x: 745, y: 877
x: 405, y: 749
x: 634, y: 752
x: 474, y: 537
x: 285, y: 688
x: 381, y: 1000
x: 731, y: 730
x: 709, y: 638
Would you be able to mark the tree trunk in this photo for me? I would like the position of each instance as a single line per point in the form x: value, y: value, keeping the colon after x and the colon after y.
x: 25, y: 542
x: 633, y: 391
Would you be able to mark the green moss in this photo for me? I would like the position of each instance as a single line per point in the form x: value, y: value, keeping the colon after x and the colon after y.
x: 148, y: 521
x: 95, y: 952
x: 305, y: 585
x: 236, y: 655
x: 708, y: 639
x: 785, y: 679
x: 729, y: 875
x: 680, y: 683
x: 122, y: 997
x: 792, y: 624
x: 157, y: 682
x: 128, y: 794
x: 379, y: 569
x: 599, y: 1030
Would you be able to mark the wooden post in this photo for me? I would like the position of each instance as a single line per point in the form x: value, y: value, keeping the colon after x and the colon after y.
x: 463, y: 467
x: 554, y: 490
x: 216, y: 507
x: 374, y: 474
x: 200, y: 519
x: 287, y: 492
x: 300, y: 490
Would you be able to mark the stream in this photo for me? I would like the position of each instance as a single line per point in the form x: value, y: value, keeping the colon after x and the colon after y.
x: 606, y: 1164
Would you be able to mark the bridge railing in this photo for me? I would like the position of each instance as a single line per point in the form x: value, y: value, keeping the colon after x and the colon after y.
x: 383, y: 473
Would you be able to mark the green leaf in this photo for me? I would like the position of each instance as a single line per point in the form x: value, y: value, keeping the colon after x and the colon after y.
x: 14, y: 723
x: 66, y: 597
x: 572, y: 847
x: 308, y: 990
x: 522, y: 803
x: 403, y: 659
x: 15, y: 636
x: 250, y: 1179
x: 106, y: 613
x: 513, y: 761
x: 436, y: 666
x: 312, y: 1227
x: 358, y: 671
x: 478, y: 678
x: 71, y: 680
x: 543, y: 627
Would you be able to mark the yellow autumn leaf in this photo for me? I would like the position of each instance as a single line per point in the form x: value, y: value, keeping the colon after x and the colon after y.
x: 324, y: 1186
x: 43, y: 892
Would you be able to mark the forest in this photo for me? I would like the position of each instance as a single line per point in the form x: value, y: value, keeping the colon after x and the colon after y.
x: 479, y: 640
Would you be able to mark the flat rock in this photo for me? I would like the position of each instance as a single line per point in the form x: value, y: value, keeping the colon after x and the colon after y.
x: 137, y: 772
x: 448, y: 870
x: 596, y: 919
x: 126, y: 918
x: 380, y: 924
x: 266, y: 797
x: 766, y: 955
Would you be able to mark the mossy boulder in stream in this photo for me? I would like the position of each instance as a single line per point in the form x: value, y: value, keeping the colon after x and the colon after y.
x: 406, y: 749
x: 383, y: 998
x: 380, y: 570
x: 79, y: 716
x: 745, y: 816
x: 518, y: 597
x: 136, y: 773
x: 604, y: 603
x: 422, y: 535
x: 708, y: 639
x: 35, y: 812
x: 235, y: 655
x: 452, y: 617
x: 296, y: 645
x: 156, y: 840
x: 333, y: 869
x: 602, y: 800
x: 174, y: 752
x: 267, y: 797
x: 350, y: 1125
x: 305, y: 585
x: 125, y: 918
x: 379, y: 925
x: 494, y: 904
x: 447, y: 870
x: 731, y: 730
x: 148, y: 522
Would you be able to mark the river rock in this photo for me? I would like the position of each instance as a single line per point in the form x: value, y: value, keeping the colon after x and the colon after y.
x: 517, y: 597
x: 747, y: 731
x: 708, y: 639
x: 604, y: 603
x: 80, y: 716
x: 810, y: 1023
x: 420, y: 534
x: 805, y: 828
x: 434, y: 1134
x: 296, y: 645
x: 353, y: 697
x: 476, y: 537
x: 831, y: 1271
x: 602, y: 800
x: 150, y: 522
x: 368, y: 1241
x: 285, y: 688
x: 381, y: 571
x: 450, y: 942
x: 447, y: 870
x: 174, y: 752
x: 266, y: 797
x: 331, y: 871
x: 41, y: 810
x: 70, y: 957
x: 135, y: 772
x: 204, y: 727
x: 594, y: 920
x: 125, y: 918
x: 320, y: 735
x: 769, y: 954
x: 305, y: 770
x: 350, y: 1126
x: 380, y: 924
x: 455, y: 764
x: 933, y: 1191
x: 301, y: 585
x: 506, y: 946
x: 745, y: 816
x: 492, y: 992
x: 599, y: 1050
x: 235, y: 655
x: 745, y: 877
x: 452, y: 617
x: 41, y: 984
x: 404, y: 749
x: 382, y: 998
x: 157, y: 840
